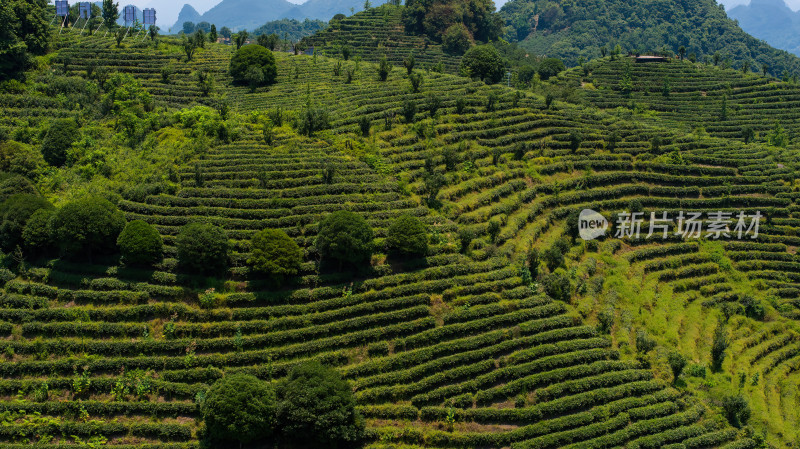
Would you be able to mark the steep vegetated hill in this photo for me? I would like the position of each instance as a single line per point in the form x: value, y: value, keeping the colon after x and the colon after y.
x: 508, y: 332
x: 575, y: 30
x: 379, y: 32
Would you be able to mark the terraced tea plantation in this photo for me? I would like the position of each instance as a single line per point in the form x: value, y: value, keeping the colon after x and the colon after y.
x: 510, y: 332
x: 379, y: 32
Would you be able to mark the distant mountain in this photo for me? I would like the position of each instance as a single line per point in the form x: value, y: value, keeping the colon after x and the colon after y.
x: 772, y: 21
x: 250, y: 14
x: 575, y: 30
x: 187, y: 14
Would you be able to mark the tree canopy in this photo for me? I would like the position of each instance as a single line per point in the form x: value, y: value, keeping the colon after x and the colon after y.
x: 345, y: 236
x: 275, y: 253
x: 24, y: 32
x: 316, y: 408
x: 434, y: 17
x: 253, y: 57
x: 140, y: 244
x: 239, y: 407
x: 484, y: 62
x: 86, y: 226
x: 572, y: 30
x: 202, y: 247
x: 408, y: 235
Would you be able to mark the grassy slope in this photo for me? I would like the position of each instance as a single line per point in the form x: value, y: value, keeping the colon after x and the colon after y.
x: 462, y: 331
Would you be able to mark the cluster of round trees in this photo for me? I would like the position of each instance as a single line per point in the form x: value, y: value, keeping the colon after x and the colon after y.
x: 312, y: 407
x: 91, y: 226
x: 81, y: 228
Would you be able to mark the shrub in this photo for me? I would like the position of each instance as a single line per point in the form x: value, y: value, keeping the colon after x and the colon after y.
x: 345, y: 236
x: 275, y: 253
x: 557, y: 285
x: 407, y: 235
x: 253, y: 56
x: 737, y: 410
x: 457, y: 39
x: 313, y: 119
x: 202, y: 247
x: 140, y: 244
x: 14, y: 214
x: 409, y: 111
x: 19, y: 158
x: 644, y: 343
x: 240, y: 407
x: 316, y: 408
x: 58, y: 141
x: 384, y: 68
x: 484, y: 62
x: 553, y: 257
x: 550, y: 67
x: 677, y: 362
x: 37, y: 234
x: 87, y: 225
x: 718, y: 347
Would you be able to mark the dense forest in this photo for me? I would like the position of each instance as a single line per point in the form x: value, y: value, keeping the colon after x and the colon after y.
x: 576, y: 31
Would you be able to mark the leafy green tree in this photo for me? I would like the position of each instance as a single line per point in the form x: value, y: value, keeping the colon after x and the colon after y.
x: 240, y: 407
x: 549, y: 68
x: 434, y: 17
x: 58, y: 140
x: 20, y: 159
x: 384, y: 69
x: 718, y: 347
x: 14, y: 215
x: 110, y: 14
x: 644, y: 343
x: 316, y: 408
x: 737, y: 410
x: 37, y: 235
x: 140, y: 244
x: 24, y: 32
x: 457, y: 39
x: 557, y: 285
x: 313, y: 119
x: 416, y: 81
x: 408, y: 235
x: 87, y: 226
x: 484, y: 62
x: 240, y: 39
x: 268, y: 41
x: 212, y: 35
x: 409, y: 62
x: 409, y: 110
x: 202, y: 247
x: 345, y: 236
x: 254, y: 56
x: 225, y: 32
x: 275, y: 253
x: 677, y: 362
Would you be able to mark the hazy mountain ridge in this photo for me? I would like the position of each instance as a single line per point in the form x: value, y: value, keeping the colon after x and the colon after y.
x: 249, y: 14
x: 772, y: 21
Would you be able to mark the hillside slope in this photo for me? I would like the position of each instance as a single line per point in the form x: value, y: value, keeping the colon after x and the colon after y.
x: 380, y: 32
x: 460, y: 335
x: 579, y: 29
x: 510, y: 332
